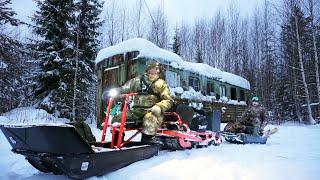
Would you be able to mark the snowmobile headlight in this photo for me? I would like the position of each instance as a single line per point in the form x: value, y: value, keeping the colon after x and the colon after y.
x: 113, y: 92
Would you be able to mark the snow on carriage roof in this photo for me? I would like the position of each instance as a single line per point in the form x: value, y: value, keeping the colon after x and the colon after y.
x: 149, y: 50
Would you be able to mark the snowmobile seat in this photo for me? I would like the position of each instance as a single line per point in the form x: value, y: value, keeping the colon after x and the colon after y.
x: 183, y: 110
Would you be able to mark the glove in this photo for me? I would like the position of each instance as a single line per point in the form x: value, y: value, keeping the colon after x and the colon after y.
x: 156, y: 110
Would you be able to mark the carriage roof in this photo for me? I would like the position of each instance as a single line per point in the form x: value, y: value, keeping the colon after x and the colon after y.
x: 147, y: 49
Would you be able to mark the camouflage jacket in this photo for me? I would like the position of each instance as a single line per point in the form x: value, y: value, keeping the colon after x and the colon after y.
x: 151, y: 92
x: 254, y: 116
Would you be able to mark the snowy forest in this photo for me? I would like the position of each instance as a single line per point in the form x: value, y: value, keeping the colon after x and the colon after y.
x: 276, y: 49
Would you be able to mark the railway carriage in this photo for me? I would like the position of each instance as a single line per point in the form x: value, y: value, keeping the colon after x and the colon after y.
x: 196, y: 84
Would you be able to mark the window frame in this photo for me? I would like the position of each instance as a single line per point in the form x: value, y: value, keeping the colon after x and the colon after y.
x: 194, y: 80
x: 233, y: 91
x: 223, y: 91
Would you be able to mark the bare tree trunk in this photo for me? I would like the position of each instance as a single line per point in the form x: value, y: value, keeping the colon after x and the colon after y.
x: 139, y: 34
x: 112, y: 24
x: 296, y: 103
x: 159, y: 28
x: 256, y: 58
x: 311, y: 120
x: 316, y: 60
x: 123, y: 24
x: 75, y: 76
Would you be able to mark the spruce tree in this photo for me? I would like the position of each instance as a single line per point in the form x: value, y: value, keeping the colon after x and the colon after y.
x: 176, y: 42
x: 11, y: 65
x: 66, y: 53
x: 199, y: 58
x: 292, y: 81
x: 7, y: 14
x: 85, y: 37
x: 55, y: 53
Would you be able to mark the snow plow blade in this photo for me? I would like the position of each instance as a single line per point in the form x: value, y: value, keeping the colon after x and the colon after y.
x: 61, y: 150
x: 244, y: 138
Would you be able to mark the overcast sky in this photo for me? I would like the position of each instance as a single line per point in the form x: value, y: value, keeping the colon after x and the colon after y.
x: 176, y: 10
x: 188, y: 10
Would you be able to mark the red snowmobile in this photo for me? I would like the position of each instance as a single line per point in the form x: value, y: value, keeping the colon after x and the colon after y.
x: 61, y: 149
x: 175, y: 132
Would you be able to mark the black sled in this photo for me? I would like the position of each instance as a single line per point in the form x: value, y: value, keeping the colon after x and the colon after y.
x: 61, y: 150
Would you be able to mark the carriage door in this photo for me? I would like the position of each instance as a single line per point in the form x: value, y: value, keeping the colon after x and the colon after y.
x: 110, y: 77
x: 109, y: 81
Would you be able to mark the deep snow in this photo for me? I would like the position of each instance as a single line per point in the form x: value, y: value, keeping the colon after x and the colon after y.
x: 292, y: 153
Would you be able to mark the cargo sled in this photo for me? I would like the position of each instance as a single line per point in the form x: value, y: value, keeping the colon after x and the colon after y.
x: 61, y: 150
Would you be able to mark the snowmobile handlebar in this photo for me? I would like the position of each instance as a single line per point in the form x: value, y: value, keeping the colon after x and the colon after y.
x: 115, y: 92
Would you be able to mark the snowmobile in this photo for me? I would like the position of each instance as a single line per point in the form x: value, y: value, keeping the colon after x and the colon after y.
x: 241, y: 138
x: 181, y: 128
x: 60, y: 149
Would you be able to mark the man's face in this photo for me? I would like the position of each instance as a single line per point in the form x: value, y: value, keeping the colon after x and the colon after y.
x: 153, y: 71
x: 255, y: 103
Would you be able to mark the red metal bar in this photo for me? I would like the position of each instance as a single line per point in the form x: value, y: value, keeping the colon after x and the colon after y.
x: 112, y: 140
x: 106, y: 121
x: 179, y: 135
x: 184, y: 144
x: 124, y: 117
x: 127, y: 141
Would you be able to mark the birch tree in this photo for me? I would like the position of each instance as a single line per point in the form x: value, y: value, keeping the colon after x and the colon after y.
x: 310, y: 118
x: 159, y: 28
x: 311, y: 8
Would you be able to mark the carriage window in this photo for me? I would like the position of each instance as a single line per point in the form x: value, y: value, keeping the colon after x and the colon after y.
x: 223, y: 91
x: 242, y: 95
x: 210, y: 88
x: 172, y: 78
x: 194, y: 83
x: 233, y: 93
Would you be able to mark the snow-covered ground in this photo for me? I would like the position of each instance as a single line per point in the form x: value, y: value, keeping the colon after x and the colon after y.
x: 292, y: 154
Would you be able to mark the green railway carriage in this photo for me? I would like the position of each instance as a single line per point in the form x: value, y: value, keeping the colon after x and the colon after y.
x: 198, y: 85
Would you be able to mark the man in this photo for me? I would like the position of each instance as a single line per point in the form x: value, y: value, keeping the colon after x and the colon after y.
x: 152, y: 101
x: 252, y: 121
